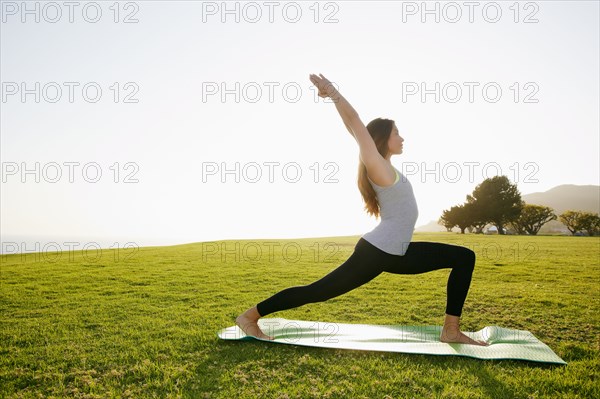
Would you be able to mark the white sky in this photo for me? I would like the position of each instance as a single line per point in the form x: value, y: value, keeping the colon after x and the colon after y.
x: 374, y: 53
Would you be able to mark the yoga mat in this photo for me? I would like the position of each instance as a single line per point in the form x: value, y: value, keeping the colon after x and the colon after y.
x: 504, y: 343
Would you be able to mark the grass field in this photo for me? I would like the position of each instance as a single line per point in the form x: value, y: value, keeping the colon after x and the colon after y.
x: 142, y: 324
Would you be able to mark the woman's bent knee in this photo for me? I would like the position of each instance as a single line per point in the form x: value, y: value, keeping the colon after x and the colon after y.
x: 469, y: 257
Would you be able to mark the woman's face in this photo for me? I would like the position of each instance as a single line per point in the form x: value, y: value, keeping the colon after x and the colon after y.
x: 395, y: 141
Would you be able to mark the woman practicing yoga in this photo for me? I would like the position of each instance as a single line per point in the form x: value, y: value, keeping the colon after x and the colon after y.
x: 386, y: 248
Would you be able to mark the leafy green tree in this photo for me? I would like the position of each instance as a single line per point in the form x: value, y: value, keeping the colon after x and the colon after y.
x: 478, y: 217
x: 496, y: 201
x: 589, y: 222
x: 518, y: 227
x: 457, y: 216
x: 464, y: 218
x: 571, y: 220
x: 532, y: 218
x: 446, y: 220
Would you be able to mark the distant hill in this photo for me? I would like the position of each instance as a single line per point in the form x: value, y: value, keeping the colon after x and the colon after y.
x: 560, y: 198
x: 563, y: 198
x: 567, y: 196
x: 432, y: 227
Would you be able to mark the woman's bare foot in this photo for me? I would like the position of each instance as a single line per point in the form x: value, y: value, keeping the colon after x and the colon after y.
x: 451, y: 333
x: 459, y: 337
x: 247, y: 322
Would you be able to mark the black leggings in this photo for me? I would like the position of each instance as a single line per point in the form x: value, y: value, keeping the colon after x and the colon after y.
x: 368, y: 261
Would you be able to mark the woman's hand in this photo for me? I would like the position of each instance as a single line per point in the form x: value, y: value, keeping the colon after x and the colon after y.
x: 325, y: 87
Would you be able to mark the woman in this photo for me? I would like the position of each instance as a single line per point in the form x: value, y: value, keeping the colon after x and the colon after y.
x: 388, y: 246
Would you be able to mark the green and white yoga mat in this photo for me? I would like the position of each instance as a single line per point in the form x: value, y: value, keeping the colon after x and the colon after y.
x: 505, y: 343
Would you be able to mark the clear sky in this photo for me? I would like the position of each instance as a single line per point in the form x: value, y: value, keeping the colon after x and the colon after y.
x: 183, y: 91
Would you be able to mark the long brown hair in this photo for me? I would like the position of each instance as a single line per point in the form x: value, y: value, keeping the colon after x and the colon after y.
x: 380, y: 130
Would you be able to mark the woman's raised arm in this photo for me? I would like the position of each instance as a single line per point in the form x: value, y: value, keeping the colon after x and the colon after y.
x: 368, y: 151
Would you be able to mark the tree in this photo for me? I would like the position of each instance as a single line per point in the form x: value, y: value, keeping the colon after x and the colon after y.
x: 496, y: 201
x: 478, y: 217
x: 589, y: 222
x: 532, y: 218
x: 457, y: 216
x: 571, y: 220
x: 518, y: 226
x: 464, y: 218
x: 446, y: 221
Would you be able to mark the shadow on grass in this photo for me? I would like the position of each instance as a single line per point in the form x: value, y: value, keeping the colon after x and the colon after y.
x: 230, y: 365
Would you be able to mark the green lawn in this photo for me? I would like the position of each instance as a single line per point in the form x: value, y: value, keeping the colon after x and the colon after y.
x: 143, y: 324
